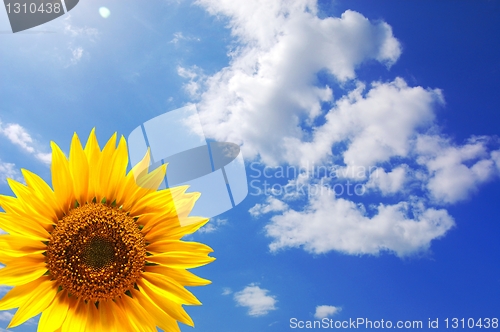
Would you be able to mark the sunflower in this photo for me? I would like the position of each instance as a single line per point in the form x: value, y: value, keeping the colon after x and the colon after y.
x: 102, y: 250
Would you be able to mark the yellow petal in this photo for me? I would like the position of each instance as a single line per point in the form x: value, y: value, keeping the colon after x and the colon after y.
x: 40, y: 298
x: 173, y: 309
x: 176, y: 245
x: 16, y: 246
x: 23, y: 270
x: 53, y: 317
x: 11, y: 205
x: 173, y: 230
x: 138, y: 318
x: 109, y: 317
x: 104, y: 168
x: 93, y: 321
x: 33, y: 206
x: 170, y: 289
x: 79, y: 169
x: 21, y: 243
x: 117, y: 168
x: 139, y: 182
x: 160, y: 200
x: 181, y: 276
x: 43, y: 191
x: 18, y: 295
x: 93, y: 153
x: 76, y: 317
x: 181, y: 260
x: 22, y: 225
x: 61, y: 178
x: 162, y: 319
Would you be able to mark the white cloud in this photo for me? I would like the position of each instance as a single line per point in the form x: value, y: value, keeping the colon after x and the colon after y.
x: 78, y: 35
x: 44, y: 157
x: 76, y: 54
x: 9, y: 170
x: 6, y: 316
x: 388, y: 182
x: 272, y: 205
x: 196, y: 80
x: 268, y: 100
x: 178, y: 36
x: 375, y: 127
x: 269, y: 83
x: 75, y: 31
x: 212, y: 225
x: 324, y: 311
x: 256, y: 300
x: 455, y: 171
x: 226, y: 291
x: 330, y: 223
x: 17, y: 135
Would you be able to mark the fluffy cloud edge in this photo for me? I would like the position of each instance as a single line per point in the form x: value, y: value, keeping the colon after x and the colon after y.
x: 256, y: 300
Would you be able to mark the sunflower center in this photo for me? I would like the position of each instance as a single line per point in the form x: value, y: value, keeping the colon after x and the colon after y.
x: 96, y: 252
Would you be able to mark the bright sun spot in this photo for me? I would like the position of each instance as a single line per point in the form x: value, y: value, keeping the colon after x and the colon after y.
x: 104, y: 12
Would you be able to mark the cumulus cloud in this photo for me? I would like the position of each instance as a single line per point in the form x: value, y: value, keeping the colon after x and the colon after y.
x: 17, y: 135
x: 256, y: 299
x: 325, y: 311
x: 329, y: 223
x: 388, y: 182
x: 455, y: 171
x: 269, y: 87
x: 269, y: 101
x: 375, y: 126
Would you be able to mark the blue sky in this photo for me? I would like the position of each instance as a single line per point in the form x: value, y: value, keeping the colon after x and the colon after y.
x: 397, y: 98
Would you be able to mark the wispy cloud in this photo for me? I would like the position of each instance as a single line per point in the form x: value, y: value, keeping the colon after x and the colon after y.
x: 6, y: 316
x: 9, y: 170
x: 76, y: 31
x: 256, y: 299
x: 19, y: 136
x: 196, y: 80
x: 78, y: 36
x: 212, y: 225
x: 178, y: 36
x: 272, y: 205
x: 77, y: 54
